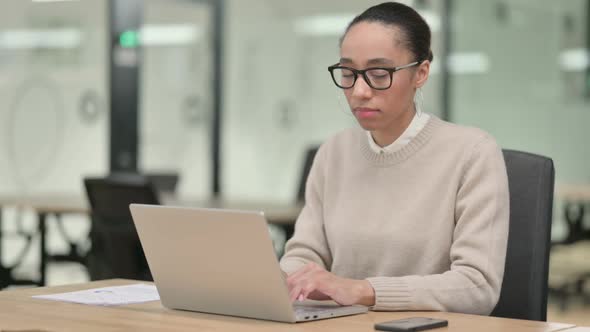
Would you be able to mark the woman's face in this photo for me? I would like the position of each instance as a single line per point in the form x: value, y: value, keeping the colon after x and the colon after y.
x: 371, y: 44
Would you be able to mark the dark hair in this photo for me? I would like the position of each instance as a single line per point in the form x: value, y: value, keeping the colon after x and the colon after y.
x: 415, y: 30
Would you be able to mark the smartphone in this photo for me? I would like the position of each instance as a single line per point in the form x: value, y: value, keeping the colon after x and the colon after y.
x: 411, y: 324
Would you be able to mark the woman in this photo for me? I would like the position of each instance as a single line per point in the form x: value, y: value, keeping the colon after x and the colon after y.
x: 409, y: 212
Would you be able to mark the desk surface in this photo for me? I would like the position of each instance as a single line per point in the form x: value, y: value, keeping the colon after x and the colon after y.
x: 18, y: 311
x: 573, y: 192
x: 275, y: 213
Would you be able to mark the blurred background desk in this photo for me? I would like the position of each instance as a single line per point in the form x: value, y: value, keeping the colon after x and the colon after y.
x: 570, y: 265
x: 58, y: 205
x: 576, y: 200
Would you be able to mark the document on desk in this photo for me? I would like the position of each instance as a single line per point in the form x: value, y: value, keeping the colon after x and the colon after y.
x: 108, y: 296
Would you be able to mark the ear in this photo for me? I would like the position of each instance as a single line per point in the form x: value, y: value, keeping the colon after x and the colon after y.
x: 422, y: 74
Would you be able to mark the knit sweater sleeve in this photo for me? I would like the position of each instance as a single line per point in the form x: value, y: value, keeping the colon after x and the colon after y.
x: 309, y: 243
x: 478, y: 251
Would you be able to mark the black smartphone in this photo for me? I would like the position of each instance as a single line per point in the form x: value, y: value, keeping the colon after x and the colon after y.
x: 411, y: 324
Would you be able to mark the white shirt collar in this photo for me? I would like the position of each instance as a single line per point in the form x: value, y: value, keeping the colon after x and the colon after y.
x: 416, y: 125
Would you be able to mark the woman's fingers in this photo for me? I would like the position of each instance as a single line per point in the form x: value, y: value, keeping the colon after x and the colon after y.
x: 294, y: 293
x: 297, y: 274
x: 299, y: 277
x: 304, y: 281
x: 302, y: 289
x: 305, y: 291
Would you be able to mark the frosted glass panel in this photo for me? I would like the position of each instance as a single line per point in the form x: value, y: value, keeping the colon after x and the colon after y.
x: 176, y: 92
x: 279, y: 97
x: 532, y: 95
x: 53, y: 88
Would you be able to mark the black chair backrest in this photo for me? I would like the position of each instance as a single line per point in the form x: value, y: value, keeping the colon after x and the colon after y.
x: 164, y: 182
x: 116, y: 251
x: 308, y: 162
x: 110, y: 197
x: 524, y: 288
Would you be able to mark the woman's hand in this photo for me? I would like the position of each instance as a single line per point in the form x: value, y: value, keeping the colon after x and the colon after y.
x: 315, y: 283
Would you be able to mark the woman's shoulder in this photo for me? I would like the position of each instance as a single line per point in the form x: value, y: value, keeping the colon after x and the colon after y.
x: 467, y: 143
x: 462, y: 134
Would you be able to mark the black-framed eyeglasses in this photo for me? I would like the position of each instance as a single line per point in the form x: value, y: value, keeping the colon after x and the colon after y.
x: 378, y: 78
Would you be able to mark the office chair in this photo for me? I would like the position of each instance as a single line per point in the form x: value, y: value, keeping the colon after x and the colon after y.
x: 116, y: 251
x: 308, y: 162
x: 164, y: 182
x: 280, y: 234
x: 524, y: 288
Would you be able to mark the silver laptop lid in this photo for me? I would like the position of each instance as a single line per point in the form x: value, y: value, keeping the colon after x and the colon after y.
x: 200, y: 261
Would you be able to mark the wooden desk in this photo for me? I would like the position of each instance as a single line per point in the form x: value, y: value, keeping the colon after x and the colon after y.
x: 276, y: 213
x: 573, y: 192
x: 60, y: 204
x: 18, y: 311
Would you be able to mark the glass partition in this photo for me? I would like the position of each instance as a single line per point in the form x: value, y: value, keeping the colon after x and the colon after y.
x: 519, y: 72
x: 54, y: 117
x: 176, y: 92
x: 53, y: 87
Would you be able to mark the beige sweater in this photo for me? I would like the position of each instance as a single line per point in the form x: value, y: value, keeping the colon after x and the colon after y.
x: 427, y: 225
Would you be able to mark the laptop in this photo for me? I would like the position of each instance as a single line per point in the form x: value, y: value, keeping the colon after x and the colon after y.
x: 221, y: 262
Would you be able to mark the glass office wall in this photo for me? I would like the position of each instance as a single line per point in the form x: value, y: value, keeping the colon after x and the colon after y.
x: 53, y: 115
x: 53, y: 87
x: 279, y: 97
x: 176, y: 92
x: 519, y: 72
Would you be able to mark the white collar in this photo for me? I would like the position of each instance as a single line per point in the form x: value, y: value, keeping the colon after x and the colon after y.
x: 418, y: 122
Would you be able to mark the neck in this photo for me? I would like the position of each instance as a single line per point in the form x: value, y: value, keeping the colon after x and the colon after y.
x: 387, y: 136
